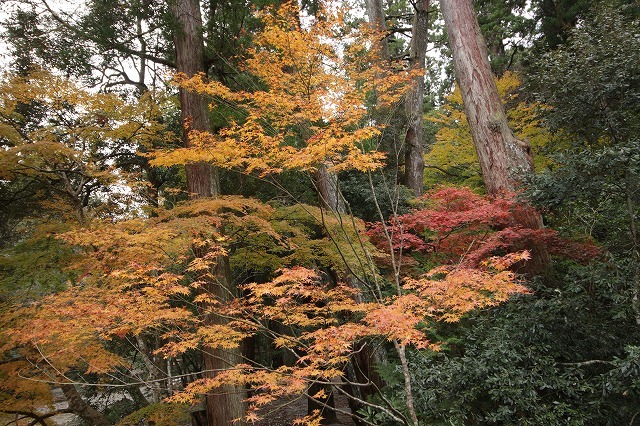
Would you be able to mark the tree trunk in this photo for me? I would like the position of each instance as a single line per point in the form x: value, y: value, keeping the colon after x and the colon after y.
x: 503, y: 158
x: 375, y: 11
x: 225, y: 404
x: 328, y: 191
x: 80, y: 407
x: 155, y: 373
x: 202, y: 178
x: 414, y: 159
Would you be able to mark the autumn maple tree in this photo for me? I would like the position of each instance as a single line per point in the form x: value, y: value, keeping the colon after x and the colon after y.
x: 142, y: 277
x: 455, y: 226
x: 312, y: 113
x: 61, y: 147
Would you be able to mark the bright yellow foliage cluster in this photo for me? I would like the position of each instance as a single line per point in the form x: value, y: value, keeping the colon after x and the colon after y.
x: 310, y: 105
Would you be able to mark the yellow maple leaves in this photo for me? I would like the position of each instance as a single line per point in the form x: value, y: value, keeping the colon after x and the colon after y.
x: 311, y: 105
x: 67, y: 138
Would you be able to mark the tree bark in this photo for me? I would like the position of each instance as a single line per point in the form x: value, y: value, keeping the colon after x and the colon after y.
x: 503, y: 158
x: 224, y: 405
x: 414, y: 158
x: 375, y: 12
x: 328, y: 191
x: 155, y: 373
x: 414, y: 161
x: 80, y: 407
x: 202, y: 178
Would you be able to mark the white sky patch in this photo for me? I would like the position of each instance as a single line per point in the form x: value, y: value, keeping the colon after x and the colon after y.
x: 6, y: 8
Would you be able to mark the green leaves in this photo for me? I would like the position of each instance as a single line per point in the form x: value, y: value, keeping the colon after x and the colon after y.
x: 592, y: 82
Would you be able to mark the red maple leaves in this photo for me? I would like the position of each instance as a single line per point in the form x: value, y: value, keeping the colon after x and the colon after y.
x: 457, y: 226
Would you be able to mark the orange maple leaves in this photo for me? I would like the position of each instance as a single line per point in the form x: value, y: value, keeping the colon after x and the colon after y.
x: 149, y: 276
x: 323, y: 325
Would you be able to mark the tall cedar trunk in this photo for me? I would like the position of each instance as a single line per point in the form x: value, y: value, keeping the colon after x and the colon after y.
x: 330, y: 198
x: 413, y: 158
x: 326, y: 183
x: 225, y: 404
x: 502, y: 157
x: 375, y: 11
x: 202, y: 179
x: 80, y: 407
